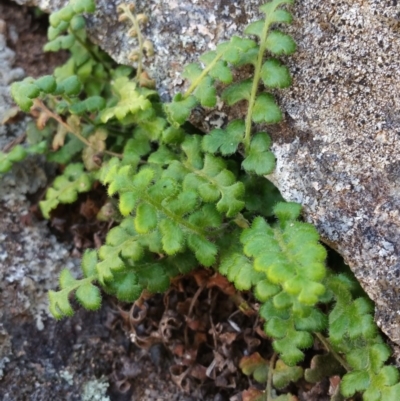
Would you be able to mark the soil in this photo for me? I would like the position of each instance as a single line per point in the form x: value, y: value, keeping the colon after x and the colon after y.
x: 26, y: 36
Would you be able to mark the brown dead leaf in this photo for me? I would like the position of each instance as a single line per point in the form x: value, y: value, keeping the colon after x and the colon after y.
x: 221, y: 282
x: 42, y: 119
x: 179, y: 376
x: 252, y: 394
x: 199, y: 372
x: 91, y: 155
x: 88, y: 209
x: 59, y: 137
x: 168, y: 324
x: 178, y: 350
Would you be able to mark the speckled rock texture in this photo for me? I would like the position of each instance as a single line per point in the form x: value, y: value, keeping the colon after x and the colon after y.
x: 338, y: 150
x: 339, y: 153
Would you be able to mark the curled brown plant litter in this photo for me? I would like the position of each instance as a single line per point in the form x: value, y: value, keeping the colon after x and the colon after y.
x: 199, y: 325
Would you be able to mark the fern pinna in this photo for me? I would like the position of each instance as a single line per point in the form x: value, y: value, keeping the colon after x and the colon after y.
x: 186, y: 199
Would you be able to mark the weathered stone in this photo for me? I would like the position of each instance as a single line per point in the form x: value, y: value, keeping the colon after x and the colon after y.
x: 338, y: 152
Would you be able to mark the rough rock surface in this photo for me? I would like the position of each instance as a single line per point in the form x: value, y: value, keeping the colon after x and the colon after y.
x: 340, y: 156
x: 338, y: 152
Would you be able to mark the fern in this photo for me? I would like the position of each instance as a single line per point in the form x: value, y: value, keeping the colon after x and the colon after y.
x: 66, y: 187
x: 186, y: 199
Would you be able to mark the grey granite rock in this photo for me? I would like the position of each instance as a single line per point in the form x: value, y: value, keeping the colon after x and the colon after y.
x: 338, y: 151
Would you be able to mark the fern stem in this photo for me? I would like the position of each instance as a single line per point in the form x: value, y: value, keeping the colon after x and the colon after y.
x: 135, y: 24
x: 90, y: 51
x: 203, y: 74
x: 172, y: 216
x: 329, y: 348
x: 40, y: 105
x: 256, y: 80
x: 270, y: 374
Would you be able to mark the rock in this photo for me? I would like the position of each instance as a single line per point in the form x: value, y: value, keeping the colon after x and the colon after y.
x: 338, y: 151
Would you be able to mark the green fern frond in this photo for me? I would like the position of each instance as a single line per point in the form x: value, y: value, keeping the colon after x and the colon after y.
x: 66, y: 187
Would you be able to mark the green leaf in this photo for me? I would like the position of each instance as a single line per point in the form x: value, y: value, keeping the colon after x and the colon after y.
x: 130, y: 100
x: 290, y: 346
x: 255, y: 365
x: 53, y: 32
x: 192, y: 148
x: 275, y: 75
x: 204, y: 250
x: 183, y: 203
x: 259, y: 160
x: 90, y: 104
x: 64, y: 14
x: 282, y: 16
x: 88, y: 264
x: 126, y: 286
x: 134, y: 149
x: 207, y: 217
x: 354, y: 319
x: 66, y: 279
x: 232, y: 50
x: 230, y: 202
x: 152, y: 128
x: 271, y: 8
x: 237, y: 92
x: 46, y: 84
x: 23, y: 92
x: 239, y: 271
x: 224, y: 141
x: 173, y: 239
x: 83, y: 6
x: 173, y: 135
x: 88, y: 296
x: 146, y: 218
x: 308, y: 318
x: 66, y: 187
x: 77, y: 23
x: 162, y: 156
x: 266, y: 110
x: 206, y: 92
x: 179, y: 109
x: 154, y: 278
x: 255, y: 28
x: 220, y: 70
x: 16, y: 154
x: 265, y: 290
x: 192, y: 71
x: 353, y: 382
x: 64, y: 155
x: 260, y: 195
x: 280, y: 43
x: 94, y: 103
x: 59, y: 304
x: 288, y: 211
x: 72, y: 85
x: 323, y: 366
x: 60, y: 42
x: 284, y: 374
